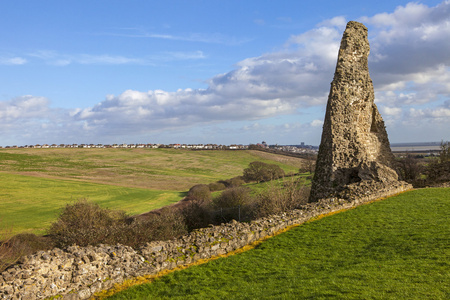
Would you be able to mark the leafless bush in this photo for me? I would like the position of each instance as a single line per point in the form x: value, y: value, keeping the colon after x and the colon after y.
x: 234, y: 203
x: 409, y: 168
x: 7, y: 253
x: 438, y: 172
x: 444, y: 154
x: 216, y: 186
x: 167, y: 224
x: 199, y: 192
x: 234, y: 182
x: 84, y: 223
x: 233, y: 197
x: 277, y: 199
x: 197, y: 214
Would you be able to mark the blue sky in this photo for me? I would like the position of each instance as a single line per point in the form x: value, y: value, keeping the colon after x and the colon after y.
x: 212, y: 71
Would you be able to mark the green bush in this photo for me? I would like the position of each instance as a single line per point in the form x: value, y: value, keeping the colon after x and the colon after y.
x: 259, y: 171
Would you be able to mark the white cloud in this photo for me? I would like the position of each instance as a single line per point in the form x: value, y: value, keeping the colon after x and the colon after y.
x: 12, y: 60
x: 298, y: 77
x: 57, y: 59
x: 437, y: 113
x: 409, y: 65
x: 23, y: 108
x: 196, y: 37
x: 390, y: 111
x: 316, y: 123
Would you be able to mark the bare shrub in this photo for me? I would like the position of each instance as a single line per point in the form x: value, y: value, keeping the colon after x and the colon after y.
x: 233, y: 203
x: 438, y: 172
x: 216, y: 186
x: 409, y: 168
x: 235, y: 181
x: 165, y: 225
x: 199, y: 192
x: 84, y: 223
x: 277, y: 199
x: 233, y: 197
x: 12, y: 248
x: 309, y: 165
x: 7, y: 254
x: 197, y: 214
x: 444, y: 154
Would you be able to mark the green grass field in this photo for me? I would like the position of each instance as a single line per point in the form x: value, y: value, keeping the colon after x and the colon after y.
x: 31, y: 204
x: 158, y: 169
x: 37, y: 183
x: 398, y: 248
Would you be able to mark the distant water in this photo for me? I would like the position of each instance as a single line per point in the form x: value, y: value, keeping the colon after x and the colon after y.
x: 415, y: 148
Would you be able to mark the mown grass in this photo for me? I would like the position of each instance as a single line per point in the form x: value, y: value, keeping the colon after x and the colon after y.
x: 31, y: 204
x: 392, y: 249
x: 37, y: 183
x: 158, y: 169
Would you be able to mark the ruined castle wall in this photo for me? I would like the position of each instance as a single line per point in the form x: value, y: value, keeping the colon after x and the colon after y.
x: 355, y: 145
x: 79, y: 272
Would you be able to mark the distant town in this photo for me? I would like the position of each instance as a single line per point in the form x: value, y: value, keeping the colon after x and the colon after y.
x: 302, y: 148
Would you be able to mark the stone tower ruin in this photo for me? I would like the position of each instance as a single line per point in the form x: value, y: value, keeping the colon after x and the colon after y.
x: 355, y: 159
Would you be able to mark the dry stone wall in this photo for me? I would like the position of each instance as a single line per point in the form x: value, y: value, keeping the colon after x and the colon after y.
x: 79, y: 272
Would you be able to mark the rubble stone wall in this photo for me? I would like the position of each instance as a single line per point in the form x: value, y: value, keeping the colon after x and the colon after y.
x: 79, y: 272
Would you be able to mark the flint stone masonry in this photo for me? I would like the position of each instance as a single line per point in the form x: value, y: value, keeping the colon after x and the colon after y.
x: 354, y: 157
x: 79, y: 272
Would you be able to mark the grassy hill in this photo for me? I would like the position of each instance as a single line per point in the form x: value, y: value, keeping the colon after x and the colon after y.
x: 392, y: 249
x: 37, y: 183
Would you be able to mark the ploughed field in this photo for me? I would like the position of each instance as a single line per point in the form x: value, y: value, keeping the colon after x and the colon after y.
x: 37, y: 183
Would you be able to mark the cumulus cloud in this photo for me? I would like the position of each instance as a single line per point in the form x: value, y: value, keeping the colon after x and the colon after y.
x: 411, y: 41
x: 298, y: 77
x: 270, y: 85
x: 23, y: 108
x: 409, y: 65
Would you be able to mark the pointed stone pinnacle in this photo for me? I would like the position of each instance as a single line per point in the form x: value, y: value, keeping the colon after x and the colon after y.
x: 354, y: 154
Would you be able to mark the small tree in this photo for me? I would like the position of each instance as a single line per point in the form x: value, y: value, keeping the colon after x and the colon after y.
x: 259, y: 171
